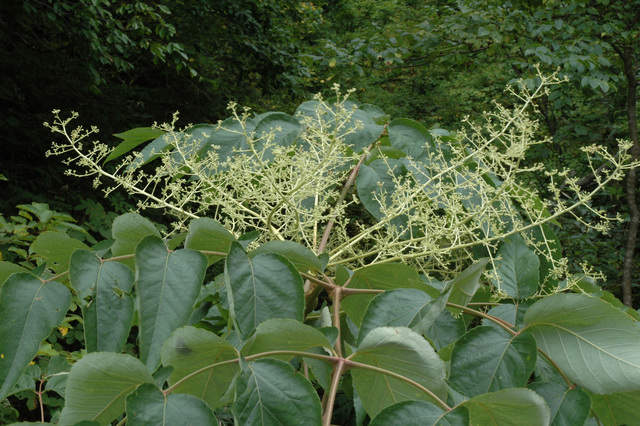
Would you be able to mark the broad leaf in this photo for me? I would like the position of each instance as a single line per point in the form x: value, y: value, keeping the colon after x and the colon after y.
x: 411, y: 137
x: 522, y: 407
x: 284, y: 335
x: 167, y: 284
x: 518, y: 269
x: 594, y: 343
x: 128, y: 230
x: 488, y: 359
x: 269, y: 392
x: 57, y: 248
x: 194, y: 352
x: 395, y: 308
x: 147, y: 405
x: 464, y: 286
x: 29, y: 309
x: 264, y: 287
x: 420, y: 413
x: 616, y: 409
x: 376, y: 184
x: 98, y: 385
x: 445, y: 330
x: 378, y: 277
x: 132, y: 138
x: 398, y: 350
x: 8, y: 268
x: 568, y: 407
x: 302, y: 258
x: 107, y: 305
x: 208, y: 235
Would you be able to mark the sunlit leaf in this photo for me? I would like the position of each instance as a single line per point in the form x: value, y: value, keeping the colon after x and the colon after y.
x: 595, y: 344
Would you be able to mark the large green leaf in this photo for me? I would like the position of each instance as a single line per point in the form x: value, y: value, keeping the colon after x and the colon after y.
x: 420, y: 413
x: 284, y: 335
x: 98, y: 385
x: 147, y: 405
x: 57, y: 248
x: 127, y: 231
x: 167, y: 284
x: 402, y: 307
x: 522, y: 407
x: 445, y: 330
x: 269, y: 392
x: 411, y: 137
x: 549, y: 243
x: 464, y: 286
x: 402, y: 351
x: 207, y: 234
x: 107, y: 305
x: 568, y: 407
x: 29, y: 309
x: 518, y: 269
x: 378, y: 277
x: 132, y: 138
x: 376, y: 184
x: 594, y: 343
x: 8, y: 268
x: 302, y: 258
x: 193, y: 352
x: 264, y: 287
x: 616, y: 409
x: 488, y: 359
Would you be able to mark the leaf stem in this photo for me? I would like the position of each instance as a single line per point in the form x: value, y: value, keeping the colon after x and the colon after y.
x: 338, y: 370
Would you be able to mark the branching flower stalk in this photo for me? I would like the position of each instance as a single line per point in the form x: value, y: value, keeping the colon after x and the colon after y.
x: 293, y: 181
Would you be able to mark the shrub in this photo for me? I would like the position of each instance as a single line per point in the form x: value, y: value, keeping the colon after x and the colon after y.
x: 323, y: 259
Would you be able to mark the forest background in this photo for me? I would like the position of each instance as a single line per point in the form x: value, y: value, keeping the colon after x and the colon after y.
x: 127, y: 64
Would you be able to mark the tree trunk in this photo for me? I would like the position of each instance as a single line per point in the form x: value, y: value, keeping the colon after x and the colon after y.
x: 626, y: 54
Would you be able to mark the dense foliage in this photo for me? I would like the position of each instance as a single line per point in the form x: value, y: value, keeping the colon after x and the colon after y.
x: 444, y: 299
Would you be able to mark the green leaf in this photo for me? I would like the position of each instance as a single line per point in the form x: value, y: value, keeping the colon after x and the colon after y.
x: 549, y: 242
x: 302, y: 258
x: 132, y: 138
x: 194, y: 352
x: 522, y: 407
x: 402, y: 351
x: 98, y: 385
x: 568, y: 407
x: 464, y: 286
x: 488, y: 359
x: 387, y: 276
x: 29, y: 309
x: 168, y: 284
x: 594, y: 343
x: 264, y: 287
x: 107, y: 305
x: 147, y: 405
x: 57, y: 248
x: 395, y: 308
x: 616, y: 409
x: 269, y: 392
x: 445, y: 330
x: 128, y: 230
x: 376, y: 184
x: 208, y: 235
x: 420, y: 413
x: 154, y: 149
x: 411, y: 137
x: 8, y: 268
x: 284, y: 127
x: 518, y: 268
x: 284, y: 335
